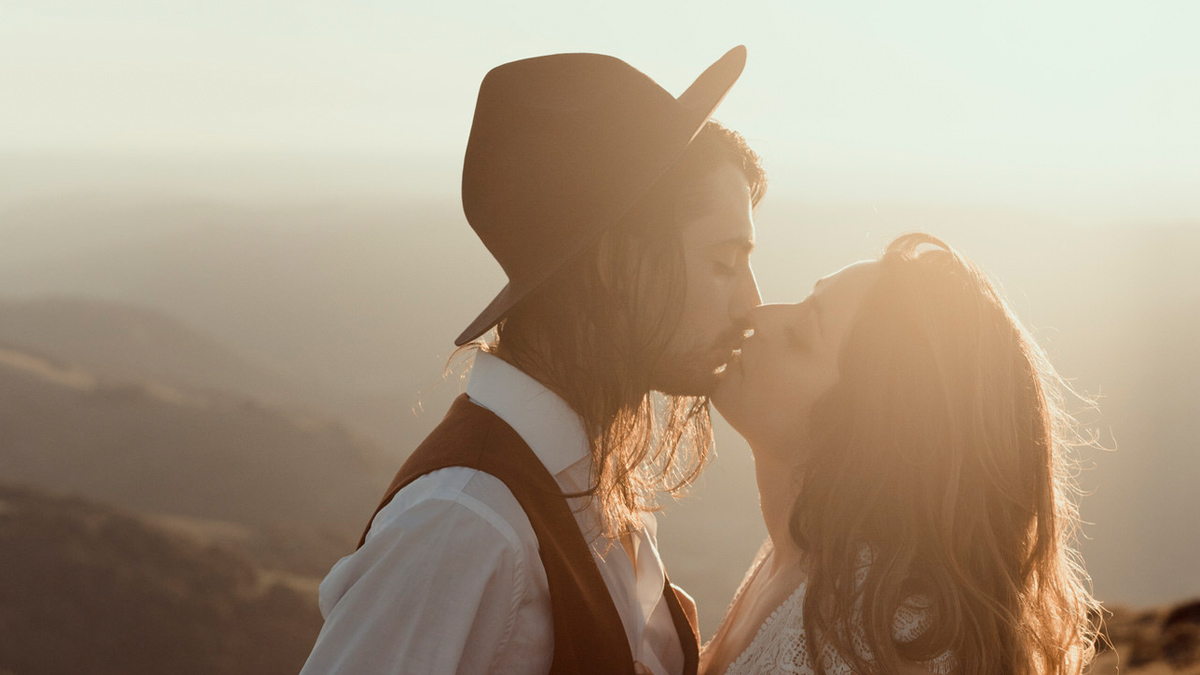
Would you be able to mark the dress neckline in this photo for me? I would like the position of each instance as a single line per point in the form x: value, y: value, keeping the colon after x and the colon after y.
x: 765, y: 552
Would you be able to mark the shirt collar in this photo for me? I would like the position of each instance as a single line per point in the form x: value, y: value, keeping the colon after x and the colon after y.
x: 539, y: 416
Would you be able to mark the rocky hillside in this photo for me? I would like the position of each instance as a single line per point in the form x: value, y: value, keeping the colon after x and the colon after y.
x: 86, y: 588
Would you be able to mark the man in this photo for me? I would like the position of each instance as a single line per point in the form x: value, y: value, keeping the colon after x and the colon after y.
x: 517, y: 538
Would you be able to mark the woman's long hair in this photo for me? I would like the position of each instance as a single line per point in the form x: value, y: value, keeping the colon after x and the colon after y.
x: 597, y: 330
x: 939, y: 470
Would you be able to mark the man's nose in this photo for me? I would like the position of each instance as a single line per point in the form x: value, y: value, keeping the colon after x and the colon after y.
x: 745, y: 299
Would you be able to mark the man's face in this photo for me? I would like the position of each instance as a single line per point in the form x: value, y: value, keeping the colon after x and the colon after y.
x: 717, y: 230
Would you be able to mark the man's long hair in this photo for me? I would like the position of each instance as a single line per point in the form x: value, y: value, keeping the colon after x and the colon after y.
x: 940, y: 470
x: 596, y: 331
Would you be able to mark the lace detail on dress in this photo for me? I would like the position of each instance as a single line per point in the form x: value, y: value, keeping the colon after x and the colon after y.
x: 780, y: 646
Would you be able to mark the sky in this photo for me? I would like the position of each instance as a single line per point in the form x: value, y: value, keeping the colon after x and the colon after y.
x: 1081, y: 109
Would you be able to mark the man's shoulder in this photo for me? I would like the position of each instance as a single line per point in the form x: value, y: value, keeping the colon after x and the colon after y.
x: 466, y: 425
x: 453, y: 494
x: 453, y: 532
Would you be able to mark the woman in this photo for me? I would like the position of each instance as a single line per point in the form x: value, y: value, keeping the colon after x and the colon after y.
x: 909, y: 455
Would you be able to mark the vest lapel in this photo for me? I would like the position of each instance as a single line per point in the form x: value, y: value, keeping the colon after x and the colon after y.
x: 588, y: 634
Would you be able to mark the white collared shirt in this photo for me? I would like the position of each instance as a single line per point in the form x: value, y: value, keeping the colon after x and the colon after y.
x: 449, y: 579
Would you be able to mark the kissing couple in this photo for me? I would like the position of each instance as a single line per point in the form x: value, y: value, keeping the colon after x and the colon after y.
x: 907, y: 432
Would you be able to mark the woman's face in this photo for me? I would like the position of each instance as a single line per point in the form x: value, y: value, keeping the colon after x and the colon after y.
x: 791, y: 360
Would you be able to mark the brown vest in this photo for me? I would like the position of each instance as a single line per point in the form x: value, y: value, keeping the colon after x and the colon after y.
x: 588, y: 634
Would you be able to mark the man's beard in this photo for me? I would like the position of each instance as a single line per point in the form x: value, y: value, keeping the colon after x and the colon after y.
x: 694, y: 371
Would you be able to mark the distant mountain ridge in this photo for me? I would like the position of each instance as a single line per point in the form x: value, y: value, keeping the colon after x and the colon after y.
x: 126, y: 342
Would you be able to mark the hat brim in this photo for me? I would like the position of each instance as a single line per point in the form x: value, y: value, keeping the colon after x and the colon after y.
x: 491, y: 315
x: 701, y: 99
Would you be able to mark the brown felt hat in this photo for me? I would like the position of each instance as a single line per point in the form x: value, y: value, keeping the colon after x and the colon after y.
x: 560, y: 148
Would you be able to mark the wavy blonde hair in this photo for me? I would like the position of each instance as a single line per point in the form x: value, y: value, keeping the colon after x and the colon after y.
x: 944, y: 452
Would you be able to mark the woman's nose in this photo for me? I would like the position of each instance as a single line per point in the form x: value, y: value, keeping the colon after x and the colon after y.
x: 769, y: 318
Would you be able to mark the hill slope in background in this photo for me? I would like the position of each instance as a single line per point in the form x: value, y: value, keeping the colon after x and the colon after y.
x: 166, y: 450
x: 86, y: 588
x: 124, y: 342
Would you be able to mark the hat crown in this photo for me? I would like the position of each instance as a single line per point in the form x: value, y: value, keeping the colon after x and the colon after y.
x: 555, y: 142
x: 562, y: 81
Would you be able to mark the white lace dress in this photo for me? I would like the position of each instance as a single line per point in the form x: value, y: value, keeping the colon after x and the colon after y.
x: 780, y: 645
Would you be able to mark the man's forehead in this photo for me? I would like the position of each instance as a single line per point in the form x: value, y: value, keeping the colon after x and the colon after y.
x: 721, y: 234
x: 719, y: 212
x: 722, y: 189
